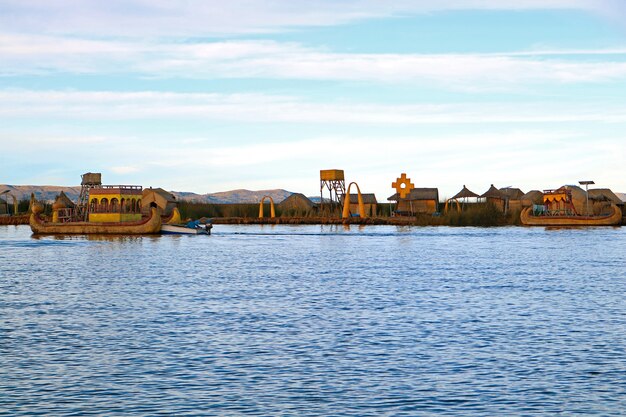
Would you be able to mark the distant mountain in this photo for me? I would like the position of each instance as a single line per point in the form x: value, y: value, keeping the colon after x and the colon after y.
x: 42, y: 192
x: 49, y: 193
x: 621, y: 196
x: 234, y: 196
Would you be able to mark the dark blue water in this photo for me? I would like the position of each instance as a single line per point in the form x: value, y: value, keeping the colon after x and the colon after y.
x: 315, y: 320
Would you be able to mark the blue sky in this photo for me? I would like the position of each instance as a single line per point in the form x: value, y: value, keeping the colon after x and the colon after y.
x: 204, y: 96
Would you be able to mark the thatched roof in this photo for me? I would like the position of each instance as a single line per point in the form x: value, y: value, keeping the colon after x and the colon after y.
x: 166, y: 195
x: 465, y: 193
x: 62, y: 198
x: 511, y: 193
x: 492, y: 192
x: 297, y: 200
x: 367, y: 199
x: 605, y: 194
x: 418, y: 194
x: 166, y: 201
x: 533, y: 197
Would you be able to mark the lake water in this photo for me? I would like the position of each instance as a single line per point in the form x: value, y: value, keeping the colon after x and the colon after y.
x: 315, y: 320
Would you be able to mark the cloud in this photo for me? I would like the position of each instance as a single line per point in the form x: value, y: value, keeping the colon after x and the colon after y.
x: 70, y: 106
x: 22, y: 55
x: 184, y: 40
x: 445, y: 161
x: 124, y: 169
x: 476, y: 157
x: 164, y: 18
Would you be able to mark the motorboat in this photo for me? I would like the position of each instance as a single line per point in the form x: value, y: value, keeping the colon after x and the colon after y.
x: 190, y: 228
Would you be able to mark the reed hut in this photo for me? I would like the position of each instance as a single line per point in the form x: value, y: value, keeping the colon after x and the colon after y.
x: 63, y: 200
x: 157, y: 197
x: 419, y: 200
x: 495, y: 197
x: 464, y: 194
x: 297, y: 204
x: 62, y: 208
x: 603, y: 197
x: 461, y: 196
x: 605, y: 194
x: 533, y: 197
x: 369, y: 202
x: 3, y: 206
x: 512, y: 198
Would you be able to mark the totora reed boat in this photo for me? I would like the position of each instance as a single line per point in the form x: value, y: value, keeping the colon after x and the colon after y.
x: 572, y: 206
x: 614, y: 218
x: 149, y: 225
x: 101, y: 209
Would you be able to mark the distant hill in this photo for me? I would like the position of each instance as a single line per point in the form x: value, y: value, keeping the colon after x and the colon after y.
x: 42, y: 192
x: 621, y: 196
x: 49, y: 193
x: 234, y: 196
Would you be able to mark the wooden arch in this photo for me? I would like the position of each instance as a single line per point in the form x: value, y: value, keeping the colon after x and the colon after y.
x: 456, y: 200
x: 272, y: 212
x: 346, y: 202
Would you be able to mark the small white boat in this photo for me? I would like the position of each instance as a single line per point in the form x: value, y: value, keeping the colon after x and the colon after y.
x: 192, y: 228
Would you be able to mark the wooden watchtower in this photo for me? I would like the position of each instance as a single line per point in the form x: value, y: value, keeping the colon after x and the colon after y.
x: 334, y: 182
x: 89, y: 180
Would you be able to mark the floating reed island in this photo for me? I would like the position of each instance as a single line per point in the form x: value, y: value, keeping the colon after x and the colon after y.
x: 568, y: 205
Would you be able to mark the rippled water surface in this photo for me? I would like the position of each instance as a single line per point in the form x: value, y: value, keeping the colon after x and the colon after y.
x: 315, y: 320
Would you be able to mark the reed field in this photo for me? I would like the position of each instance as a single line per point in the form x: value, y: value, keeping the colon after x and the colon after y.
x: 478, y: 214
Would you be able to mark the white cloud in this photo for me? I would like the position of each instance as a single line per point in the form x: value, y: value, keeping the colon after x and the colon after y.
x: 140, y: 18
x: 517, y: 156
x: 158, y: 38
x: 69, y: 106
x: 272, y: 60
x: 125, y: 169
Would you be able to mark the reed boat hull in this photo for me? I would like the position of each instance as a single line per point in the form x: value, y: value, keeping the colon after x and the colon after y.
x: 149, y: 225
x: 612, y: 219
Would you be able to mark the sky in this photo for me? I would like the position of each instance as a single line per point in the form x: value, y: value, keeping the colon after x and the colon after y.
x: 207, y: 96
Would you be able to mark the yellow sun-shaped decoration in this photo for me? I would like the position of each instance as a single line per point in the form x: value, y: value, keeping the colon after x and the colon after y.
x: 403, y: 185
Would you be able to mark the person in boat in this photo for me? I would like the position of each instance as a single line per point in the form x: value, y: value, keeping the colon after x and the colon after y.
x: 196, y: 224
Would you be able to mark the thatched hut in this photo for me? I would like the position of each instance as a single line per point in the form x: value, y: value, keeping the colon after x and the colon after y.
x: 3, y: 206
x: 531, y: 198
x: 297, y: 204
x: 369, y: 202
x: 601, y: 196
x: 64, y: 201
x: 495, y: 197
x: 158, y: 197
x: 419, y: 200
x: 62, y: 208
x: 461, y: 196
x: 605, y: 194
x: 464, y: 194
x: 512, y: 198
